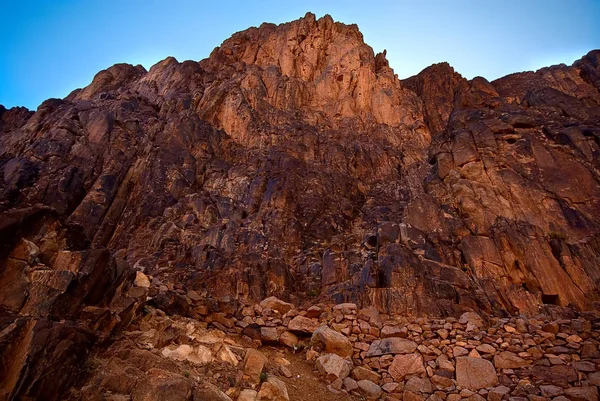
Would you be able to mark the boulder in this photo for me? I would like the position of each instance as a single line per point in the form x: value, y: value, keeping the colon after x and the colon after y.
x: 594, y: 378
x: 392, y: 345
x: 210, y: 392
x: 198, y: 355
x: 588, y: 393
x: 333, y: 367
x: 254, y: 362
x: 394, y: 331
x: 551, y: 391
x: 277, y: 304
x: 471, y: 317
x: 273, y: 389
x: 362, y: 373
x: 560, y: 375
x: 303, y: 324
x: 158, y: 385
x: 405, y: 365
x: 418, y: 385
x: 332, y: 342
x: 269, y: 335
x: 370, y: 390
x: 247, y: 395
x: 508, y: 360
x: 350, y: 384
x: 475, y: 373
x: 288, y: 339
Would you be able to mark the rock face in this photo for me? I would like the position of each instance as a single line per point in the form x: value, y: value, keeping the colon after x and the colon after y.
x: 291, y: 162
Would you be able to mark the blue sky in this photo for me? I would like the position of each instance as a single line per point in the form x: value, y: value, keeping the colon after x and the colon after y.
x: 49, y: 48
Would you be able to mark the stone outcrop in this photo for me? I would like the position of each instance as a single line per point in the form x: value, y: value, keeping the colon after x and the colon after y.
x: 293, y: 163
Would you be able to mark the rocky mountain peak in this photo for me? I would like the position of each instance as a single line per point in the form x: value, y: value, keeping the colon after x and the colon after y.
x: 319, y: 67
x: 302, y: 49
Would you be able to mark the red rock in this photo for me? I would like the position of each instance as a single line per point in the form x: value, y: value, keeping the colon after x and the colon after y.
x: 391, y: 345
x: 288, y: 339
x: 276, y: 304
x: 333, y: 367
x: 254, y: 363
x: 273, y: 390
x: 589, y: 393
x: 303, y: 325
x: 331, y: 341
x: 508, y: 360
x: 247, y: 174
x: 404, y: 365
x: 475, y: 373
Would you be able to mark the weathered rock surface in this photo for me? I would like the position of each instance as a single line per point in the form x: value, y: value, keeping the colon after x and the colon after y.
x: 475, y: 373
x: 332, y: 342
x: 273, y: 390
x: 392, y: 345
x: 293, y: 163
x: 405, y: 365
x: 333, y: 366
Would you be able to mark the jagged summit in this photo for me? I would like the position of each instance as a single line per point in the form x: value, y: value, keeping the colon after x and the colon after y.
x: 292, y: 162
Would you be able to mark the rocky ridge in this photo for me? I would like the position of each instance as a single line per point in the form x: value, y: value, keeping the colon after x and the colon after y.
x: 292, y: 162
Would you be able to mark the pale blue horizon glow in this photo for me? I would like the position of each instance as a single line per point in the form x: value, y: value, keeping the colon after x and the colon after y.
x: 50, y: 48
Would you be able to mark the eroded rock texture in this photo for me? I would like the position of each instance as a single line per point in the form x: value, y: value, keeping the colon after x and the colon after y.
x: 292, y: 162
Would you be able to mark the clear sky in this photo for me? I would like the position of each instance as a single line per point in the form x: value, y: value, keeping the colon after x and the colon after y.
x: 50, y: 47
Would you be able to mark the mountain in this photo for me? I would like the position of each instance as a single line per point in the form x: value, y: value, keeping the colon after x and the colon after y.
x: 292, y: 162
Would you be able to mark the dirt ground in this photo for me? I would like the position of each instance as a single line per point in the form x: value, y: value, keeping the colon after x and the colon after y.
x: 304, y: 385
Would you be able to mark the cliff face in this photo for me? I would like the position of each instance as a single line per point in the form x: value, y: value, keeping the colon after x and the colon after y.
x: 292, y: 162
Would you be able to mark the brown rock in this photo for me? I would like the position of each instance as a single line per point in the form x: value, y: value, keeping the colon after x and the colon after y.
x: 277, y: 304
x: 594, y: 378
x: 442, y: 382
x: 210, y: 393
x: 475, y: 373
x: 332, y: 342
x: 551, y: 328
x: 551, y: 391
x: 392, y: 345
x: 486, y: 349
x: 248, y: 173
x: 508, y: 360
x: 162, y: 385
x: 333, y: 367
x: 418, y: 385
x: 314, y: 312
x: 303, y: 325
x: 471, y: 317
x: 288, y: 339
x: 410, y: 396
x: 285, y: 371
x: 370, y: 390
x: 405, y: 365
x: 560, y: 375
x: 350, y: 384
x: 394, y: 331
x: 269, y: 334
x: 361, y: 373
x: 141, y: 280
x: 247, y: 395
x: 273, y: 390
x: 254, y: 363
x: 589, y: 393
